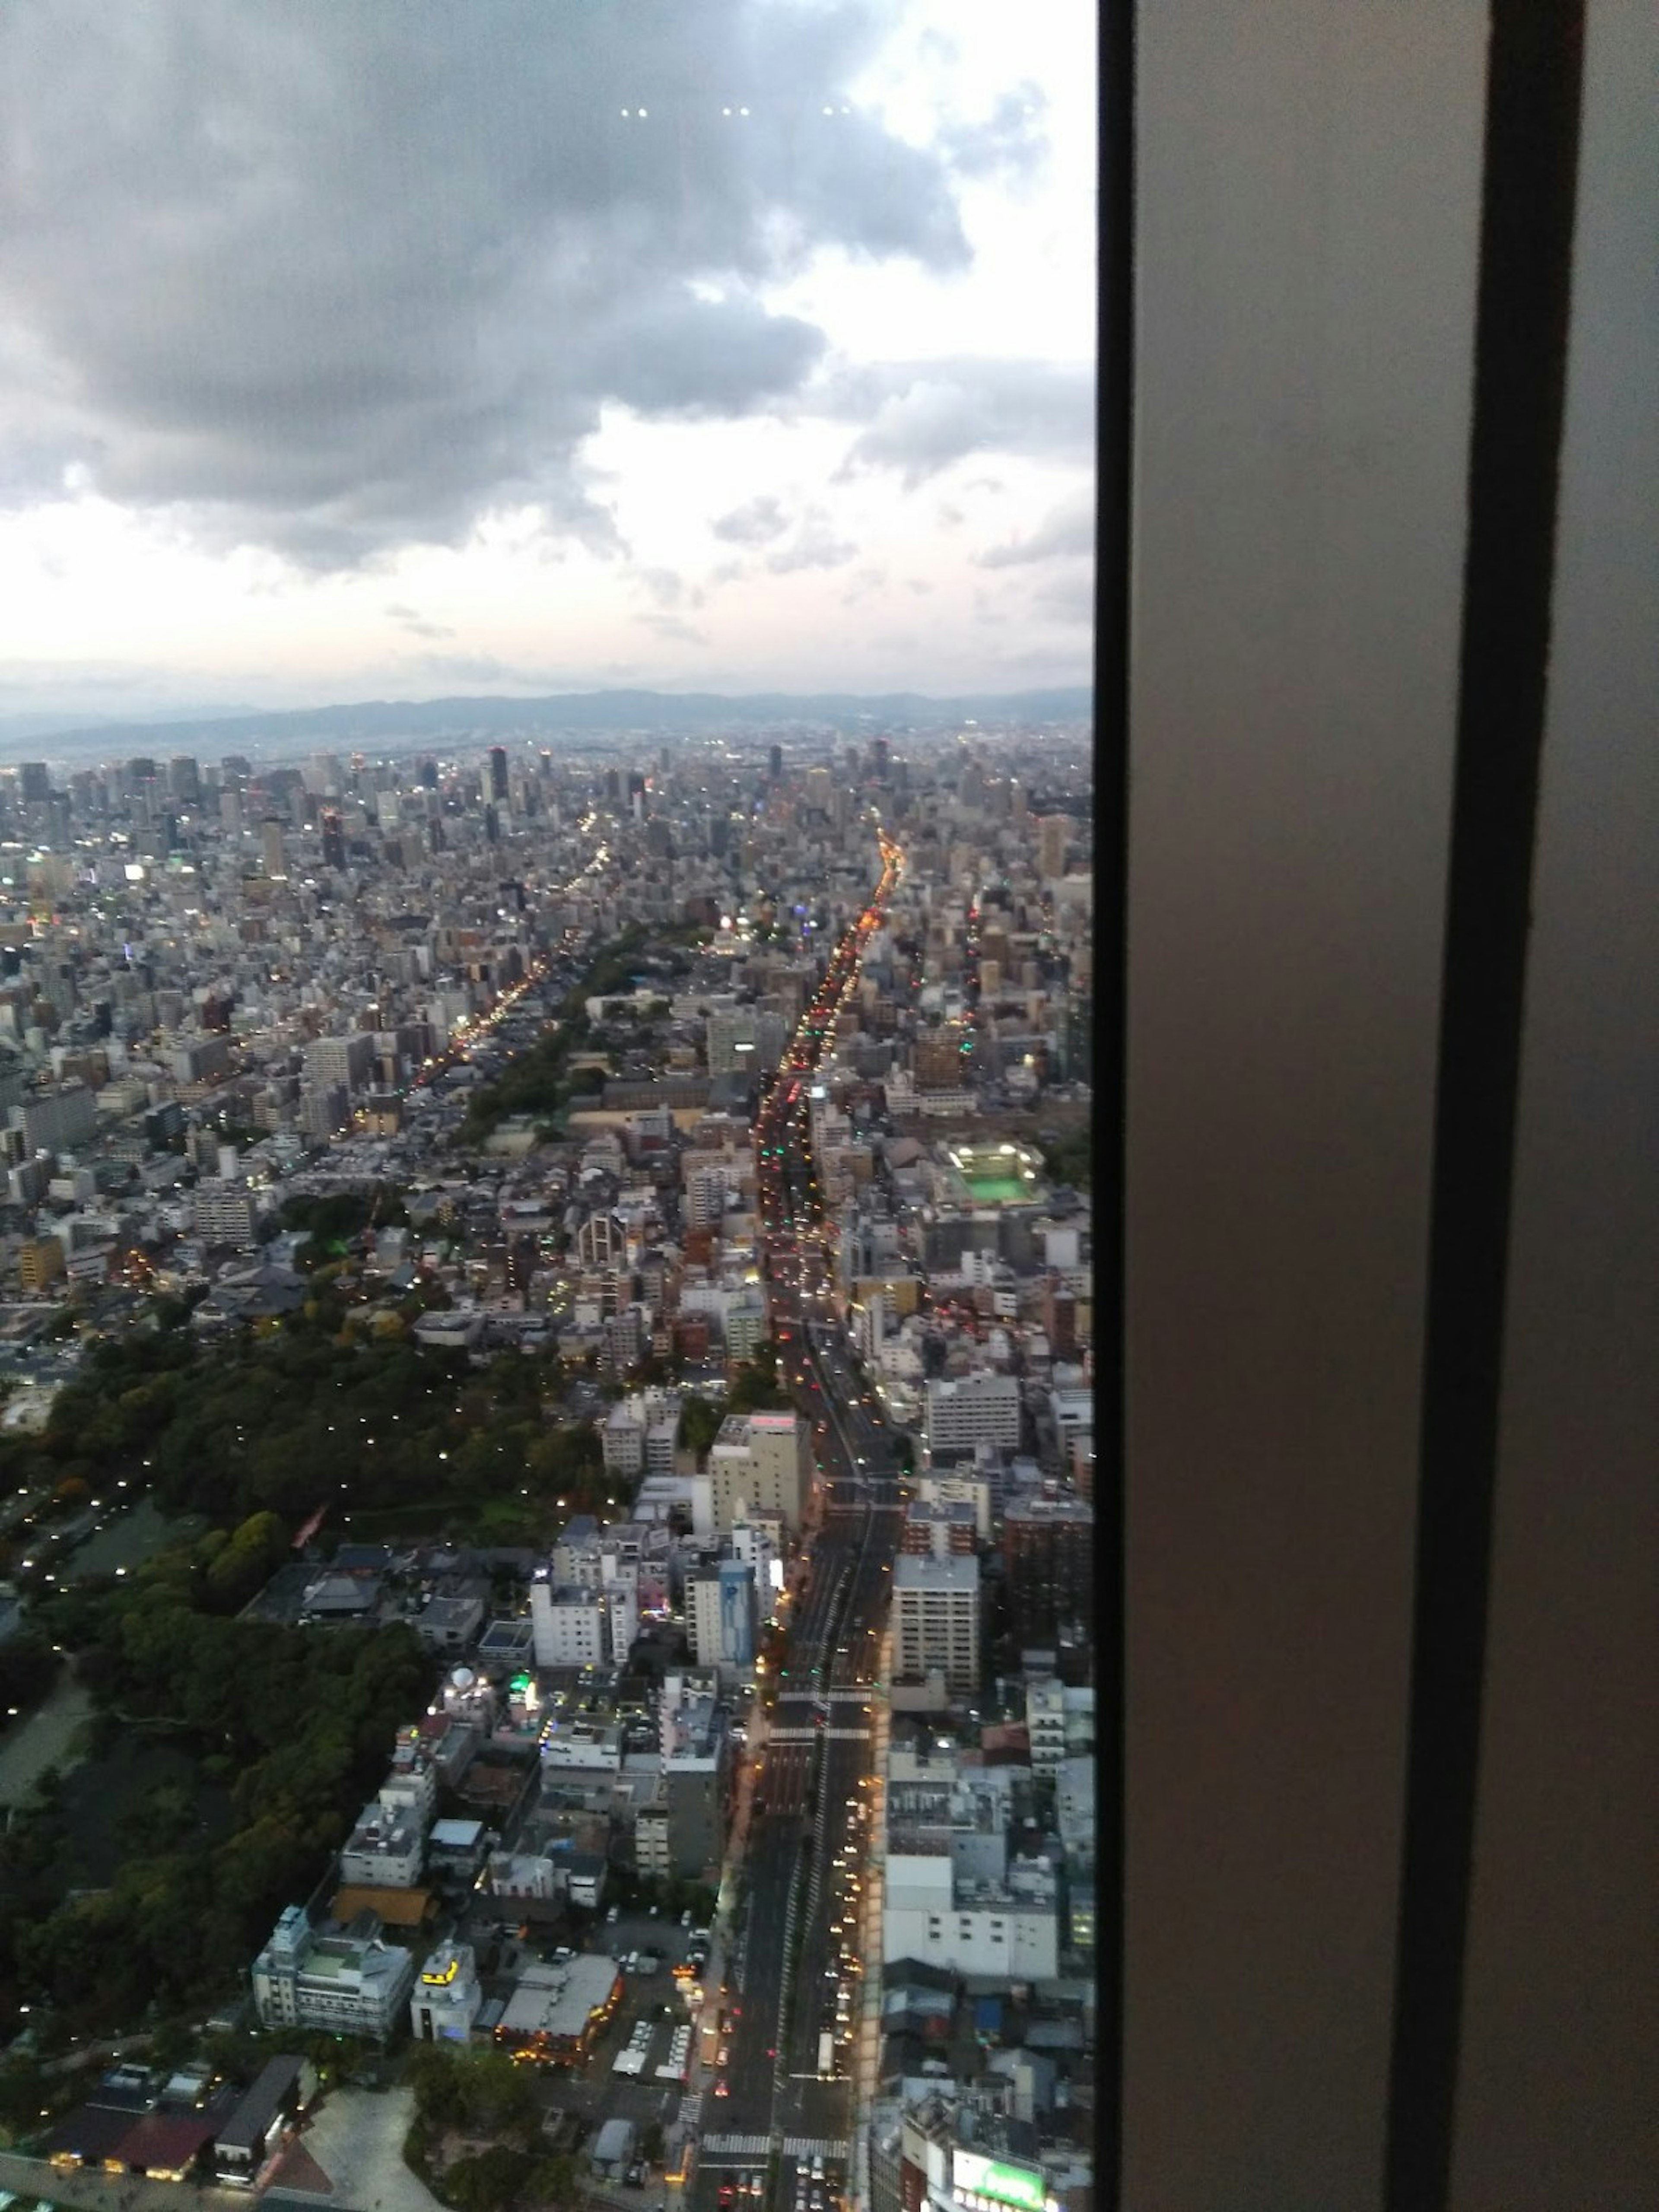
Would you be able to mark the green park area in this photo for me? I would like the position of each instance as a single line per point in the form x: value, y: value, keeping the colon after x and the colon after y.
x: 227, y: 1756
x: 227, y: 1760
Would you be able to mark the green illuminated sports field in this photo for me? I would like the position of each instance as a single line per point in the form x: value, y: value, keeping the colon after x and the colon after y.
x: 994, y: 1189
x: 997, y: 1174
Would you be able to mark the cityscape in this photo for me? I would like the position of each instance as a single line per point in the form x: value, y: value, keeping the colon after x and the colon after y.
x: 827, y: 1232
x: 546, y: 979
x: 572, y: 1257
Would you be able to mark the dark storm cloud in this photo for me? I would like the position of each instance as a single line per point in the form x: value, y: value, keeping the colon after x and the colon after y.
x: 335, y: 278
x: 924, y: 415
x: 1070, y: 529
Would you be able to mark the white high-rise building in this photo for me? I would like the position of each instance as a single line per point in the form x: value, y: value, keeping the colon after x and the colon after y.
x: 971, y: 1410
x: 761, y: 1462
x: 571, y: 1626
x: 936, y: 1621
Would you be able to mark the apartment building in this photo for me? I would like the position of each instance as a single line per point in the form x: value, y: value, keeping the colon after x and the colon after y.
x: 1060, y: 1721
x: 936, y: 1620
x: 761, y: 1463
x: 721, y: 1614
x: 345, y: 1984
x: 699, y: 1772
x: 448, y: 1998
x: 57, y: 1120
x: 347, y: 1061
x: 938, y: 1532
x: 1048, y: 1545
x: 967, y: 1411
x: 570, y: 1625
x: 1007, y: 1925
x: 386, y: 1850
x: 226, y: 1213
x: 745, y: 1042
x: 641, y: 1433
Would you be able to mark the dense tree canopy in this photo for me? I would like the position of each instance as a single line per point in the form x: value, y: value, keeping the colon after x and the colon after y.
x: 298, y: 1725
x: 299, y: 1419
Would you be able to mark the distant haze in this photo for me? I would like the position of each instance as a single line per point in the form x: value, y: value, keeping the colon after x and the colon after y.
x: 386, y: 721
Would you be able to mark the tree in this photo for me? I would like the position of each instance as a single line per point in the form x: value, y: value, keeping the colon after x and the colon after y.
x: 700, y: 1423
x: 494, y: 2180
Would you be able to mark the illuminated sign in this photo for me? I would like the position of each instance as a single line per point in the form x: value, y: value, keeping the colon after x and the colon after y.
x: 1019, y: 2185
x: 442, y: 1979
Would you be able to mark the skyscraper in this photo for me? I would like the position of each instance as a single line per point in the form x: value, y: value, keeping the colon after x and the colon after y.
x: 498, y: 772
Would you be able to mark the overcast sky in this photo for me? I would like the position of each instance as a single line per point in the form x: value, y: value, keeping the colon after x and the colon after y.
x: 388, y: 348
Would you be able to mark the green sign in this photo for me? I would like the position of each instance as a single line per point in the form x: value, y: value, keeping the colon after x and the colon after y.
x: 1006, y: 2184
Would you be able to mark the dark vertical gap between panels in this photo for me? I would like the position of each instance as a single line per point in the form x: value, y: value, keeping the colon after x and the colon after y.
x: 1521, y: 316
x: 1114, y: 463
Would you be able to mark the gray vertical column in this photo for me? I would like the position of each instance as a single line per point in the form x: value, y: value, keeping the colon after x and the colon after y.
x: 1556, y: 2101
x: 1306, y: 197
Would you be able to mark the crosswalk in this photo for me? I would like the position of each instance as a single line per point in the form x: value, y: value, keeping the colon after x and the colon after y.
x: 810, y: 1735
x: 747, y: 2147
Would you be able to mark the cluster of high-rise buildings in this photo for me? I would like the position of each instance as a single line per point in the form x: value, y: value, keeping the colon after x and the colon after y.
x: 223, y: 985
x: 218, y: 980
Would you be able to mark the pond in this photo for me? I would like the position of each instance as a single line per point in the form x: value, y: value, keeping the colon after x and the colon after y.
x: 51, y: 1736
x: 129, y: 1540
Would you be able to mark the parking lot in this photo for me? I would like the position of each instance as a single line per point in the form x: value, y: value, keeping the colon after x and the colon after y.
x: 591, y: 2091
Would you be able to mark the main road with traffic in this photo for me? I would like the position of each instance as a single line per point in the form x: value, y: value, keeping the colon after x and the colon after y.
x: 792, y: 1997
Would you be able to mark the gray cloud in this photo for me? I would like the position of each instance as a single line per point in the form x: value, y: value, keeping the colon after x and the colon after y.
x: 1008, y: 141
x: 412, y: 620
x: 1069, y: 529
x: 755, y: 523
x: 865, y: 581
x: 924, y: 415
x: 664, y: 586
x: 335, y: 280
x: 675, y: 628
x: 1068, y: 599
x: 815, y: 545
x: 470, y: 668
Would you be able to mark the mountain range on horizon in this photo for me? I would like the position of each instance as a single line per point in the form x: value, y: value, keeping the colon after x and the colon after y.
x: 569, y: 714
